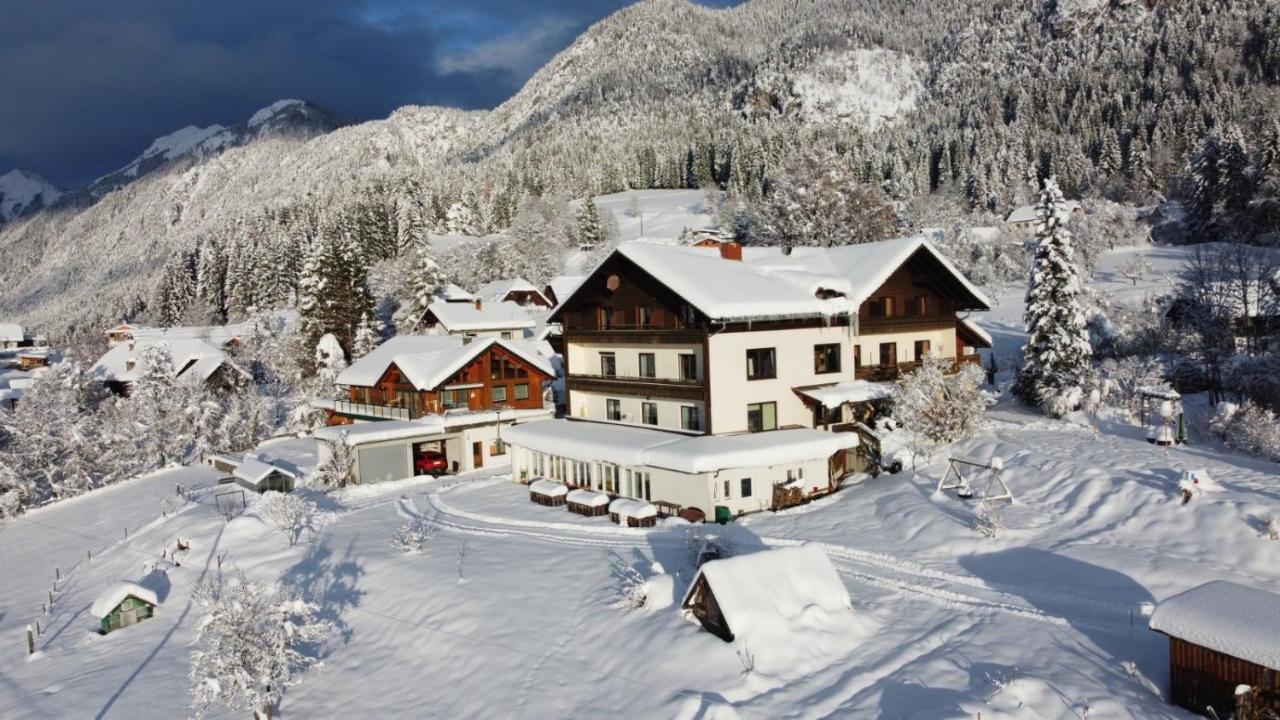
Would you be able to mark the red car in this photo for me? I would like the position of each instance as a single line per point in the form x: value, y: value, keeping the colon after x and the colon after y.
x: 430, y: 463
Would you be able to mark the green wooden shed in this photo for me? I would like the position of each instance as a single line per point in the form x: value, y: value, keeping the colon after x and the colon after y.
x: 123, y: 604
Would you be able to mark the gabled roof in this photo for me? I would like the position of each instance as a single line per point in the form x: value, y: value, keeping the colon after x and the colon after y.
x: 466, y: 317
x: 772, y: 283
x: 255, y: 471
x: 773, y: 592
x: 116, y: 593
x: 193, y: 360
x: 429, y: 360
x: 453, y: 293
x: 1241, y: 621
x: 499, y: 289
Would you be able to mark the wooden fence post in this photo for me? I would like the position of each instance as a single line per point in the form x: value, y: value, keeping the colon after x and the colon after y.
x: 31, y: 642
x: 57, y: 573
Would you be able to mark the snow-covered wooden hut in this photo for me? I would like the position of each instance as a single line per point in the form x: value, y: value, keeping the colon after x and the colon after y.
x: 587, y: 502
x: 260, y: 476
x: 547, y: 492
x: 766, y: 593
x: 123, y: 604
x: 633, y: 513
x: 1221, y: 636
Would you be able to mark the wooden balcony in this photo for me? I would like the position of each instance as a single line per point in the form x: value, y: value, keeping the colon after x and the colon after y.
x: 904, y: 324
x: 890, y: 373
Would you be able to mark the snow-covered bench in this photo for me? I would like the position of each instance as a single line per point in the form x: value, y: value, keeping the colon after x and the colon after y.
x: 633, y: 513
x: 547, y: 492
x: 587, y: 502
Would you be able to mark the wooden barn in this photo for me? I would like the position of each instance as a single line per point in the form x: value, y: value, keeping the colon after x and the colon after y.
x: 1223, y: 636
x: 123, y: 604
x: 765, y: 590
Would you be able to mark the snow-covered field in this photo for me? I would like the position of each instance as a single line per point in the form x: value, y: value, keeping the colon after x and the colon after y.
x: 511, y: 610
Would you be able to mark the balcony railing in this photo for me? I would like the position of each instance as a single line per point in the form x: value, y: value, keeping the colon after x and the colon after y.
x: 886, y: 373
x: 904, y: 323
x: 378, y: 412
x: 636, y: 379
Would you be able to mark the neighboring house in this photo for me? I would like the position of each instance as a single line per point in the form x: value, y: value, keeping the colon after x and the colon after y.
x: 32, y: 358
x: 123, y: 604
x: 514, y: 290
x: 1025, y: 218
x: 194, y: 362
x: 453, y: 293
x: 686, y: 342
x: 14, y: 336
x: 437, y: 396
x: 561, y: 287
x: 1251, y: 308
x: 1223, y: 636
x: 478, y: 319
x: 121, y: 333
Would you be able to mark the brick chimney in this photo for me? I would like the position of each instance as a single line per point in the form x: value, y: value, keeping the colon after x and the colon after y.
x: 731, y: 251
x: 479, y: 302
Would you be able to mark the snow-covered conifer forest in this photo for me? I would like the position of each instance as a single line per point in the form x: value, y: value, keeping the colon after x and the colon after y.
x: 1105, y: 172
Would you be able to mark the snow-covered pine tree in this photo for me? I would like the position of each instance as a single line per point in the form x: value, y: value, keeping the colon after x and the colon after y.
x: 1204, y: 175
x: 426, y: 279
x: 368, y: 336
x: 1057, y: 353
x: 590, y: 232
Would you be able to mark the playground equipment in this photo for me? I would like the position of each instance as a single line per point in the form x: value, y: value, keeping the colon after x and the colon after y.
x: 1161, y: 414
x: 995, y: 491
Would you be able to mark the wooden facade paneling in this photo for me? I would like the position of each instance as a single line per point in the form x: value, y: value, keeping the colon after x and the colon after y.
x: 471, y: 388
x: 1200, y: 678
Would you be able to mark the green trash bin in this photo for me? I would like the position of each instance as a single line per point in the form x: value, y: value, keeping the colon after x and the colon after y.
x: 723, y: 515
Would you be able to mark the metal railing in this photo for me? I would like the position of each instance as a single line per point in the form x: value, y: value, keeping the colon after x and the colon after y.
x: 381, y: 412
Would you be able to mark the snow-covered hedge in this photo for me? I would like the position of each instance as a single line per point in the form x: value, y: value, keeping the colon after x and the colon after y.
x: 1249, y: 428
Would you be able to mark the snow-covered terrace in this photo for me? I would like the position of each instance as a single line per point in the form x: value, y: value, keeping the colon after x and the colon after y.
x: 590, y: 441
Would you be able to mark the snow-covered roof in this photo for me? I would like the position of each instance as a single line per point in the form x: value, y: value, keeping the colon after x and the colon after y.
x: 458, y: 317
x: 429, y: 360
x: 1240, y: 621
x: 625, y: 507
x: 589, y: 498
x: 592, y: 441
x: 562, y: 286
x: 1027, y: 213
x: 193, y: 359
x: 116, y: 593
x: 770, y: 283
x: 11, y: 332
x: 382, y: 431
x: 498, y: 289
x: 849, y: 391
x: 548, y: 487
x: 453, y: 293
x: 255, y: 471
x: 976, y: 329
x: 772, y: 592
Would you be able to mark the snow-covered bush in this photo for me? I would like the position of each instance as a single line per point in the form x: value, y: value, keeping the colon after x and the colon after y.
x: 989, y: 521
x: 630, y: 584
x: 335, y: 470
x: 252, y: 642
x: 412, y: 537
x: 935, y: 409
x: 1247, y: 427
x: 286, y: 512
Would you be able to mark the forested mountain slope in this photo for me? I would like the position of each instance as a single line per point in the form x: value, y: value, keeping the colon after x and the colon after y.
x: 974, y: 97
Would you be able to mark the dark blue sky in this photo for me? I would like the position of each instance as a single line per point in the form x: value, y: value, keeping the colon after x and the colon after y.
x: 86, y: 85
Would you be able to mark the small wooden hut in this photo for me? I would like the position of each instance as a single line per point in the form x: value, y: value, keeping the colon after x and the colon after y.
x: 765, y: 590
x: 587, y: 502
x: 633, y: 513
x: 546, y: 492
x: 123, y: 604
x: 1222, y: 636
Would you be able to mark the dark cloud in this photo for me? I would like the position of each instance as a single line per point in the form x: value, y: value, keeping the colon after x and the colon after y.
x: 85, y: 86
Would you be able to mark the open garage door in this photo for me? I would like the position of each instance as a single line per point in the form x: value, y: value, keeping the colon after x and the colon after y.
x: 384, y: 463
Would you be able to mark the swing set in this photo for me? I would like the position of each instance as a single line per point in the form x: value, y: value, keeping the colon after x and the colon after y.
x: 996, y: 490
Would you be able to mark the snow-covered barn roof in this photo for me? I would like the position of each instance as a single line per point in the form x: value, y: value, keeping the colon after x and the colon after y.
x: 429, y: 360
x: 772, y: 591
x: 11, y: 332
x: 116, y: 593
x: 594, y: 441
x: 490, y: 316
x: 1240, y: 621
x: 772, y: 283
